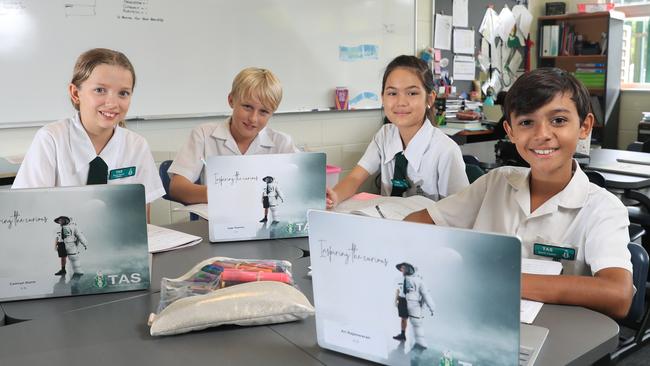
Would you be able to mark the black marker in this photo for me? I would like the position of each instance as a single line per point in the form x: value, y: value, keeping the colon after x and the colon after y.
x: 380, y: 213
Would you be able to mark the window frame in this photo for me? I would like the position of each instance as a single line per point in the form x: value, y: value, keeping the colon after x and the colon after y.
x: 638, y: 10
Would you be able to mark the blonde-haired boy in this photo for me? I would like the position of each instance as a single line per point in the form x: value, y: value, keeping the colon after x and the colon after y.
x: 256, y: 93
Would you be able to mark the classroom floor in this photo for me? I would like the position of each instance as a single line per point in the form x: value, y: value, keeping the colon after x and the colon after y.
x: 638, y: 358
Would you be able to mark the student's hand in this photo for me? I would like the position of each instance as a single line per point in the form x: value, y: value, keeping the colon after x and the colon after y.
x: 331, y: 198
x: 419, y: 216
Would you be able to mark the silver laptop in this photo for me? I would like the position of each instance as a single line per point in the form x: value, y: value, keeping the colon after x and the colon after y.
x: 402, y: 293
x: 263, y: 196
x: 72, y: 241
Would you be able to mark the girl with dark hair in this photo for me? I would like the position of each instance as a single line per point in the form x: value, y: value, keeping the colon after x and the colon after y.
x: 412, y: 155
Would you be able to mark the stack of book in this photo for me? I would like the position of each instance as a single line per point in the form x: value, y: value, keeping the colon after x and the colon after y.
x: 562, y: 40
x: 592, y: 75
x: 558, y: 40
x: 452, y: 106
x: 465, y: 125
x: 567, y: 39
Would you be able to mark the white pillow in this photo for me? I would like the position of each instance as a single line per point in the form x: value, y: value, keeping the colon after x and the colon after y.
x: 252, y: 303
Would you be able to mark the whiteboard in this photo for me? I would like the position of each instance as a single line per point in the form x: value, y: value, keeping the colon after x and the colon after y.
x: 186, y: 52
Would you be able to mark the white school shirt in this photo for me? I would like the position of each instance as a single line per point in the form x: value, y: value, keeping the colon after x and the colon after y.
x: 61, y: 152
x: 435, y: 163
x: 211, y: 139
x: 582, y: 216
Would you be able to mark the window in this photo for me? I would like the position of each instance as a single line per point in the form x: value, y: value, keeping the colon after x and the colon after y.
x: 636, y: 43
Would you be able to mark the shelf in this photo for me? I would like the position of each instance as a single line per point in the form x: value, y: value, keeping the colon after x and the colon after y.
x: 578, y: 58
x: 605, y: 92
x: 596, y: 91
x: 574, y: 16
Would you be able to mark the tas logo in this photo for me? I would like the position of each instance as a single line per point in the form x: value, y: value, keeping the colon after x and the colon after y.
x: 100, y: 280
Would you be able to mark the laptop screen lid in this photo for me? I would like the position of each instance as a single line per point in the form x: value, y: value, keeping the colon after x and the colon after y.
x: 468, y: 279
x: 98, y: 233
x: 263, y: 196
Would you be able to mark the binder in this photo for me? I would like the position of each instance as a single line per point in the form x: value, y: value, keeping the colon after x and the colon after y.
x: 555, y: 40
x: 546, y: 40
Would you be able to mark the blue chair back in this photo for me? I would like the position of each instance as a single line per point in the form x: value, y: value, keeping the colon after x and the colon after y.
x: 164, y: 177
x: 595, y: 178
x: 636, y: 231
x: 640, y: 263
x: 471, y: 159
x: 635, y: 146
x: 473, y: 172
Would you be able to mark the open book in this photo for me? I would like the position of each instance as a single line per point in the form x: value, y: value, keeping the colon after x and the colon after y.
x: 162, y: 239
x: 394, y: 208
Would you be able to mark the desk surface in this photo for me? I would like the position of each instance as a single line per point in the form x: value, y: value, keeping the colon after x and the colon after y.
x: 619, y: 181
x: 86, y: 329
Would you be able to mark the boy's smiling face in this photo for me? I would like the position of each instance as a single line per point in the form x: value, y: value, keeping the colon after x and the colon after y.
x: 547, y: 137
x: 249, y: 117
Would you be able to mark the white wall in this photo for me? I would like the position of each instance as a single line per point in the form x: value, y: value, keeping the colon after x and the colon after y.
x: 342, y: 135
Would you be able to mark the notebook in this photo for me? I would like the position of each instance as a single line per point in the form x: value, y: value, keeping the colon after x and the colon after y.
x: 461, y: 290
x: 97, y: 234
x: 263, y: 196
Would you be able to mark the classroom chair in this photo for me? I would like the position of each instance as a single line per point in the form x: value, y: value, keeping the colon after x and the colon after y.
x: 506, y: 154
x: 639, y: 146
x: 471, y: 159
x: 637, y: 229
x: 472, y: 168
x: 164, y: 177
x: 636, y: 323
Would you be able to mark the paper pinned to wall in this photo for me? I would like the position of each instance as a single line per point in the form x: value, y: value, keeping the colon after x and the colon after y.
x: 505, y: 56
x: 484, y: 55
x: 460, y: 13
x: 515, y: 62
x: 464, y: 41
x: 489, y: 25
x: 524, y: 20
x: 443, y: 32
x: 464, y: 67
x: 497, y: 58
x: 506, y: 23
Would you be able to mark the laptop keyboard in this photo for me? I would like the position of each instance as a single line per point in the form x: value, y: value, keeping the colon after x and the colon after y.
x: 524, y: 355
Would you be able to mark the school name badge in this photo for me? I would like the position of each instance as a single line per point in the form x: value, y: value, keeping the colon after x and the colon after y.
x: 555, y: 252
x: 121, y: 173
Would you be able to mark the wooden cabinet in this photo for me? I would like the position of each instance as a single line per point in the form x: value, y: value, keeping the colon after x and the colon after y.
x: 572, y: 55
